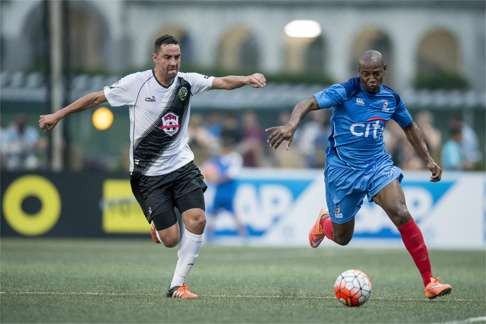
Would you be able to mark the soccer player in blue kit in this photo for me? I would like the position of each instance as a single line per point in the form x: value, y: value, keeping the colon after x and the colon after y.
x: 357, y: 163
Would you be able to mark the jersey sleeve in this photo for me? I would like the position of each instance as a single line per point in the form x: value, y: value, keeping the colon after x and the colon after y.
x: 199, y: 83
x: 331, y: 97
x: 123, y: 92
x: 402, y: 115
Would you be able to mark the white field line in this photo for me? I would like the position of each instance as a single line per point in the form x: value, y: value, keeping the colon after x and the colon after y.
x: 94, y: 293
x: 481, y: 319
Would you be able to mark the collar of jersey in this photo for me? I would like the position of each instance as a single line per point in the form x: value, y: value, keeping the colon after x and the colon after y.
x: 163, y: 86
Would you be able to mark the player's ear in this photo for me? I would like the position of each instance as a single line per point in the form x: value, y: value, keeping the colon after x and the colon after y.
x: 384, y: 67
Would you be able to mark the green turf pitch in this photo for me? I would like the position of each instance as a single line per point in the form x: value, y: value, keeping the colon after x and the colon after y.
x: 121, y: 281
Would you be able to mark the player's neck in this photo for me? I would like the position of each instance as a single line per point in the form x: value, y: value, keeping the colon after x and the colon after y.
x: 162, y: 79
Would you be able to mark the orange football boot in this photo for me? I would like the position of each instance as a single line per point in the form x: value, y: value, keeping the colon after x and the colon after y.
x: 435, y: 289
x: 181, y: 292
x: 154, y: 234
x: 316, y: 233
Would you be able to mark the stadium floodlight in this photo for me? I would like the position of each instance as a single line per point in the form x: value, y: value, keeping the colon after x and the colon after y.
x: 102, y: 118
x: 303, y: 29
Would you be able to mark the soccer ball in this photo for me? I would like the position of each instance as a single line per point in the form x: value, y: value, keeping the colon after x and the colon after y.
x: 352, y: 288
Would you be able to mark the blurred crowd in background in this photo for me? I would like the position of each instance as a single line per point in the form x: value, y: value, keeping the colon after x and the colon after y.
x: 457, y: 147
x: 436, y: 65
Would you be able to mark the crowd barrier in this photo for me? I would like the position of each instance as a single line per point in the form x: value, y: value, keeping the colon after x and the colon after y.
x: 273, y: 206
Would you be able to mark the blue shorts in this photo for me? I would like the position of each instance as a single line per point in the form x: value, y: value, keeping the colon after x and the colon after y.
x: 223, y: 198
x: 346, y: 187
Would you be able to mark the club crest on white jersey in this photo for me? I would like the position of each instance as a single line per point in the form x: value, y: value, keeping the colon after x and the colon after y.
x: 182, y: 94
x: 170, y: 124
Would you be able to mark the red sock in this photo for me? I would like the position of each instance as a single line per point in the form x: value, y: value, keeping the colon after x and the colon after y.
x: 414, y: 242
x: 327, y: 227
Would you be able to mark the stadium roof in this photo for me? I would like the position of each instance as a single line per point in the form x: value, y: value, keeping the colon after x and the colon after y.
x: 30, y: 87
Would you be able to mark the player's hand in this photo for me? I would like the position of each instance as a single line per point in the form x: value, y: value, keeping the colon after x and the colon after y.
x: 279, y: 134
x: 48, y: 122
x: 436, y: 171
x: 257, y: 80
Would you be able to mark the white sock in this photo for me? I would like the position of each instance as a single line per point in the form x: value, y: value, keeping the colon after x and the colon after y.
x: 186, y: 256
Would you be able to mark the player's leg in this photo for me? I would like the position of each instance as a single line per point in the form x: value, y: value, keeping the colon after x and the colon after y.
x: 157, y: 206
x: 188, y: 190
x: 336, y: 223
x: 392, y: 199
x: 191, y: 205
x: 168, y: 236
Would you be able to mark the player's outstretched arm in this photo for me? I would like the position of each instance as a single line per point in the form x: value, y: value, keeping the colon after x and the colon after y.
x: 48, y: 122
x: 230, y: 82
x: 416, y: 137
x: 278, y: 134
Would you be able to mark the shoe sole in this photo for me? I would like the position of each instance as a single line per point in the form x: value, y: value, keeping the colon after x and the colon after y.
x: 444, y: 292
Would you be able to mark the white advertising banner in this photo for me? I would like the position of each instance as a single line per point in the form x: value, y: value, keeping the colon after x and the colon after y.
x: 277, y: 207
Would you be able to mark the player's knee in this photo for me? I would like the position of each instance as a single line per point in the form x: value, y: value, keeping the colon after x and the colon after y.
x: 342, y: 239
x: 196, y: 222
x: 401, y: 215
x: 170, y: 241
x: 200, y: 221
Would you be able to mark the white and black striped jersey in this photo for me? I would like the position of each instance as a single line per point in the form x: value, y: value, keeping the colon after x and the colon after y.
x: 159, y: 118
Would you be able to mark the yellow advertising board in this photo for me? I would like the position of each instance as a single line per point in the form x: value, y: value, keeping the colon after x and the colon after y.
x: 121, y: 212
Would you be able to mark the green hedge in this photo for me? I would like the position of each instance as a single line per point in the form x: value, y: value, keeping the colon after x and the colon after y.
x: 437, y: 81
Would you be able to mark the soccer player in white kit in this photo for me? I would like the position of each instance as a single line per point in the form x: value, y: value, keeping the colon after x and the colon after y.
x: 163, y: 175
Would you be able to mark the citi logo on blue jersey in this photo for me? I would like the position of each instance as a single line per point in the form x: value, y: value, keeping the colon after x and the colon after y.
x: 373, y: 129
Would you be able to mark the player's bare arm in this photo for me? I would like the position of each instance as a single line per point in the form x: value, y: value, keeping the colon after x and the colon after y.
x: 255, y: 80
x: 416, y: 138
x: 48, y: 122
x: 278, y: 134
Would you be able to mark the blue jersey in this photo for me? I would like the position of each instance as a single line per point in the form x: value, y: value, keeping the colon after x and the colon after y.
x: 229, y: 167
x: 358, y: 120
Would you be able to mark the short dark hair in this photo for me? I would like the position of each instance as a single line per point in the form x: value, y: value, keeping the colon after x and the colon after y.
x: 230, y: 137
x: 164, y: 40
x: 455, y: 127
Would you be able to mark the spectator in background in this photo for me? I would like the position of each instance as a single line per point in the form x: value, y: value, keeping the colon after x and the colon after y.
x: 452, y: 152
x: 433, y: 137
x: 230, y: 125
x: 220, y: 172
x: 253, y: 140
x: 395, y: 143
x: 312, y: 139
x: 287, y: 157
x: 402, y: 151
x: 470, y: 146
x: 214, y: 124
x: 21, y: 145
x: 202, y: 141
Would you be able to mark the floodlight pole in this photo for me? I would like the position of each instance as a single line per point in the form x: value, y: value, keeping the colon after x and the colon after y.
x: 56, y: 79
